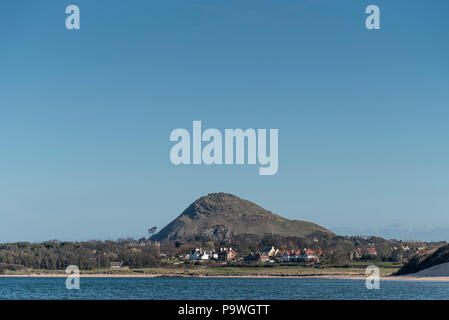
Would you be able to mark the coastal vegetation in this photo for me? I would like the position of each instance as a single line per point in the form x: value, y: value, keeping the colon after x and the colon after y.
x: 147, y: 257
x: 259, y: 270
x: 89, y: 255
x: 427, y: 259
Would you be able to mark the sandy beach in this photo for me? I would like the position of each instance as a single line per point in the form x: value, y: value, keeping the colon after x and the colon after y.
x: 439, y: 272
x: 436, y: 273
x: 413, y: 277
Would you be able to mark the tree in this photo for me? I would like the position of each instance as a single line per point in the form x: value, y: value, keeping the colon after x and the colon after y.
x: 151, y: 232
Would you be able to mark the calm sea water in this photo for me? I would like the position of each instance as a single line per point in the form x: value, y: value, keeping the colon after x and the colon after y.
x: 220, y: 288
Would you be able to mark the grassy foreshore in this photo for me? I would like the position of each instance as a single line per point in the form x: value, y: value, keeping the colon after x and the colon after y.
x: 223, y: 271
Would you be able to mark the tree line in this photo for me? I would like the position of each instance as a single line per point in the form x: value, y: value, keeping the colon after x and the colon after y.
x: 57, y: 255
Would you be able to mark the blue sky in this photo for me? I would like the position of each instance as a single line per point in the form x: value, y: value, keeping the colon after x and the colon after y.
x: 85, y: 116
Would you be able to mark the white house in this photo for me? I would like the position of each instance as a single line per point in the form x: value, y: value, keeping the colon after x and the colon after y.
x: 205, y: 256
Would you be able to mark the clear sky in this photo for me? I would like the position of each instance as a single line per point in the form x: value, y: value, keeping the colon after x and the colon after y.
x: 85, y: 115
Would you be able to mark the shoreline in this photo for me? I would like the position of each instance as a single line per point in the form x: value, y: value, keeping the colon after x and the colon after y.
x: 161, y: 275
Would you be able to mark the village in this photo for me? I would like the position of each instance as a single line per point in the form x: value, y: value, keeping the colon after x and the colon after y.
x: 366, y: 250
x: 274, y: 255
x: 270, y: 255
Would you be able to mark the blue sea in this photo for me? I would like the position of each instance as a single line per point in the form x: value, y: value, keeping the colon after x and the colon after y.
x: 218, y: 289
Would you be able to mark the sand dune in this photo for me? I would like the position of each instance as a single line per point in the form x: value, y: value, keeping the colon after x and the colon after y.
x: 440, y: 270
